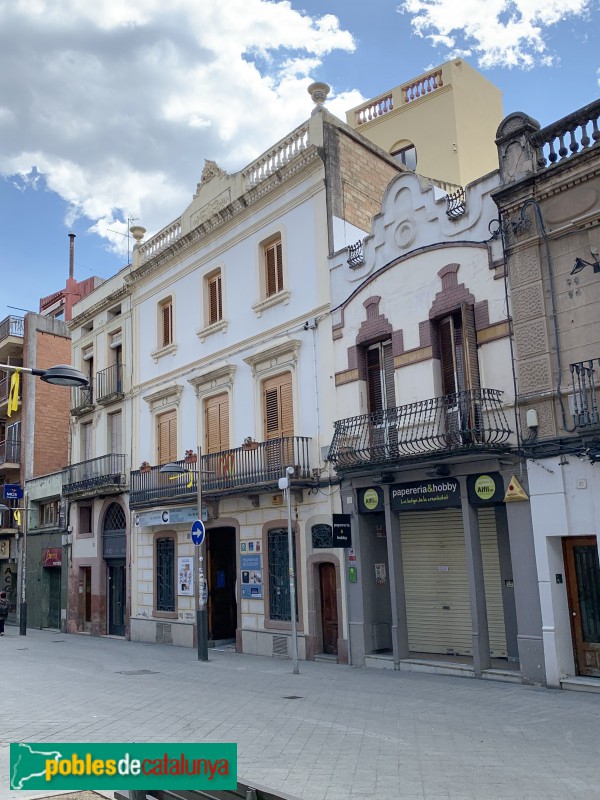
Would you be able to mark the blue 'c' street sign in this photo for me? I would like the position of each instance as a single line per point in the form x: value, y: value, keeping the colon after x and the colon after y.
x: 198, y: 532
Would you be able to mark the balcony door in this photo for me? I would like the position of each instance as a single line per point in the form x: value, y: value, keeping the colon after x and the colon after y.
x: 381, y: 395
x: 278, y: 411
x: 167, y: 437
x: 460, y: 376
x: 216, y: 423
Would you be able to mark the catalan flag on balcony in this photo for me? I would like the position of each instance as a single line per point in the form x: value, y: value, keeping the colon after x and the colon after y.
x: 13, y: 392
x: 226, y: 467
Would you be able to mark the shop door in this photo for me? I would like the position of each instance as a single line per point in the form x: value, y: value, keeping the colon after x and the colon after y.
x: 53, y: 620
x: 222, y: 607
x: 583, y: 587
x: 329, y: 618
x: 116, y: 598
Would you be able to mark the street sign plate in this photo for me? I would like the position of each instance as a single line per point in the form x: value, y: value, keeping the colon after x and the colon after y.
x: 198, y: 532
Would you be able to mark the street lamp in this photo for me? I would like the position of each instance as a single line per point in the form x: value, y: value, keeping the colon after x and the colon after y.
x: 200, y: 584
x: 284, y: 485
x: 59, y: 375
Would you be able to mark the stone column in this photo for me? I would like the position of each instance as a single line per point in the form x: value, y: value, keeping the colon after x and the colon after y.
x: 479, y: 623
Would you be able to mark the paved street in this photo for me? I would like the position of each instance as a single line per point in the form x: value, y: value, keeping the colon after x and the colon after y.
x: 351, y: 733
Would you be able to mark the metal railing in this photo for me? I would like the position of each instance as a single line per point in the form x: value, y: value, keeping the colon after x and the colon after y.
x: 109, y: 383
x: 243, y: 791
x: 97, y: 473
x: 11, y: 326
x: 82, y: 398
x: 10, y: 451
x: 464, y: 420
x: 227, y: 472
x: 585, y: 400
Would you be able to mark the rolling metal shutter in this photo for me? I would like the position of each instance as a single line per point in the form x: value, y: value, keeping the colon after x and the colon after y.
x: 436, y: 584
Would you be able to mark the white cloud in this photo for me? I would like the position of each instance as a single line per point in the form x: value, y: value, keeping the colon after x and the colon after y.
x: 507, y: 33
x: 118, y: 102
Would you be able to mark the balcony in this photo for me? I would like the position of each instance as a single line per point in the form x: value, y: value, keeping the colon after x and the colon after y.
x: 10, y: 452
x: 109, y: 384
x: 103, y: 475
x: 465, y: 421
x: 82, y: 400
x: 237, y: 471
x: 11, y: 336
x: 585, y: 398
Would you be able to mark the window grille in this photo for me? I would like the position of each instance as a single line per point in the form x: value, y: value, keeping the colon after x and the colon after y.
x: 279, y: 579
x: 165, y: 574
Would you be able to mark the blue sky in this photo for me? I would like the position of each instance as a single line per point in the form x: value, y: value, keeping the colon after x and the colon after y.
x: 108, y: 109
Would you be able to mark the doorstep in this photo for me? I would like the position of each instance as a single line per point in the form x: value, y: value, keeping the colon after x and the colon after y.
x: 580, y: 683
x: 440, y: 667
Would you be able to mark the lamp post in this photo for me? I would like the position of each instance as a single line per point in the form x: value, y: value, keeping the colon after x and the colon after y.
x: 59, y: 375
x: 284, y: 485
x: 200, y: 582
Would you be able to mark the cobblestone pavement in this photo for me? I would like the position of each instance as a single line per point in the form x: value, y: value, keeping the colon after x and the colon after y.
x: 330, y: 733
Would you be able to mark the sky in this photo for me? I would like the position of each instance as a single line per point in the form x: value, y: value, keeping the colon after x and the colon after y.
x: 108, y: 109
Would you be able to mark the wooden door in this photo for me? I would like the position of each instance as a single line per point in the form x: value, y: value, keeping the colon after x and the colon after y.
x: 278, y: 411
x: 216, y: 423
x: 329, y: 616
x: 583, y: 588
x: 167, y: 437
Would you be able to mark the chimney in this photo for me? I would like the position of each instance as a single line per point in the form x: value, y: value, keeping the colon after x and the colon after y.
x: 71, y: 254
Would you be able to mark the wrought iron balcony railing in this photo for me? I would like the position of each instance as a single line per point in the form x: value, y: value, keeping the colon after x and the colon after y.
x: 465, y: 420
x: 109, y: 384
x: 103, y: 474
x: 82, y: 399
x: 11, y: 326
x: 242, y: 469
x: 10, y: 451
x: 585, y: 397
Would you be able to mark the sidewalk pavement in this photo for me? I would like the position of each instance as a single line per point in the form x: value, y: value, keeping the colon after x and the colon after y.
x: 330, y: 733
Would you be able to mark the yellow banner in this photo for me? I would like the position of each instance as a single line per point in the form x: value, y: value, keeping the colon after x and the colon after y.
x: 13, y: 393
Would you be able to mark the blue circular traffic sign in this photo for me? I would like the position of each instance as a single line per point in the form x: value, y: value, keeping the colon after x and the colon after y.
x: 198, y: 532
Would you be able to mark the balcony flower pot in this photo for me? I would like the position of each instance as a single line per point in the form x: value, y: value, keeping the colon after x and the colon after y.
x: 145, y: 467
x: 191, y: 457
x: 249, y: 444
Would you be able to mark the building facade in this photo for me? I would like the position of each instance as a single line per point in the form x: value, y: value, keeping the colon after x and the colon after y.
x: 550, y: 209
x: 441, y: 576
x: 95, y: 483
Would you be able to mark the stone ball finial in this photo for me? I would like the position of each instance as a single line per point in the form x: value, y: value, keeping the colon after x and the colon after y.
x: 318, y: 91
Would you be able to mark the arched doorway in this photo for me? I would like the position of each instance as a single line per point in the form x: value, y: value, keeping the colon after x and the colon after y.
x: 114, y: 552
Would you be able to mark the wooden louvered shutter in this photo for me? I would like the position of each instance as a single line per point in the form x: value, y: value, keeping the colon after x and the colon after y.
x: 388, y: 370
x: 167, y: 323
x: 215, y: 299
x: 273, y: 268
x: 216, y: 423
x: 167, y: 437
x: 469, y: 341
x: 447, y: 356
x: 278, y: 407
x: 374, y: 387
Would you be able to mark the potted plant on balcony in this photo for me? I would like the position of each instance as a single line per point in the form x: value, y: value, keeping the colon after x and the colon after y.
x: 145, y: 466
x: 191, y: 457
x: 249, y: 444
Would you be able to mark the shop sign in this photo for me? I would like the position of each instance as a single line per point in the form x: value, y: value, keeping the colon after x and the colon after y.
x: 370, y: 500
x: 485, y: 490
x: 342, y: 534
x: 12, y: 491
x: 52, y: 557
x: 426, y: 495
x: 168, y: 516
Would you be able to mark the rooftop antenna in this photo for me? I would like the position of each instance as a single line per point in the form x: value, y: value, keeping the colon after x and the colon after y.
x: 130, y: 219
